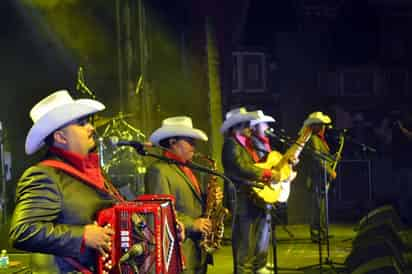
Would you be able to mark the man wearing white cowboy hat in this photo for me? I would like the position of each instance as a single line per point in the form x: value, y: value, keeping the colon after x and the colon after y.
x: 177, y: 136
x: 260, y: 140
x: 315, y: 169
x: 57, y: 199
x: 250, y: 228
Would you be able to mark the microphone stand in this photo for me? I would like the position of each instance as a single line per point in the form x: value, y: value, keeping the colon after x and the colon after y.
x: 325, y: 158
x: 141, y: 150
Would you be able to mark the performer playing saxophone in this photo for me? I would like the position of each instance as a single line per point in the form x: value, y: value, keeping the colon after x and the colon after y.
x: 215, y: 212
x: 178, y: 136
x: 315, y: 169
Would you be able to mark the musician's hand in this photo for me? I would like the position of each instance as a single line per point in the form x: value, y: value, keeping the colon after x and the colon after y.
x: 292, y: 176
x: 202, y: 225
x: 99, y: 238
x: 293, y: 161
x: 275, y: 176
x: 181, y: 230
x: 332, y: 175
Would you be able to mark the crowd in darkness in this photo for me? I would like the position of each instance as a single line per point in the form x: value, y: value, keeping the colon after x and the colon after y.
x: 375, y: 128
x: 389, y: 133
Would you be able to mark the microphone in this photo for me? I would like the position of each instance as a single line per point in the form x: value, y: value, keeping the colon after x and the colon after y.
x: 135, y: 251
x: 272, y: 133
x: 337, y: 130
x: 115, y: 141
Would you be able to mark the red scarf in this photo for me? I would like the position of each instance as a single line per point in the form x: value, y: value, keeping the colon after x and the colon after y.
x: 265, y: 141
x: 87, y: 165
x: 186, y: 170
x: 246, y: 142
x: 321, y: 136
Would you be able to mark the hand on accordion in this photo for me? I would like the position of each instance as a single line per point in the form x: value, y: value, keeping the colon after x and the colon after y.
x: 99, y: 238
x: 180, y: 230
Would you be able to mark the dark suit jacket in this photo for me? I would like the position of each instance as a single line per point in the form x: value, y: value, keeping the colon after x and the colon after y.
x: 315, y: 166
x: 240, y: 168
x: 164, y: 178
x: 52, y: 208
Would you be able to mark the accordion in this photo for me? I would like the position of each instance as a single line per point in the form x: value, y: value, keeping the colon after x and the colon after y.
x: 146, y: 239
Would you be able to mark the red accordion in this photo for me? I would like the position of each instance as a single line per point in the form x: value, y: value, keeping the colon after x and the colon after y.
x: 146, y: 239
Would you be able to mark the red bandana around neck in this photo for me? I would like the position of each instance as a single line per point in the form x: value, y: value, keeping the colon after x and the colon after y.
x: 246, y: 142
x: 87, y: 165
x: 186, y: 170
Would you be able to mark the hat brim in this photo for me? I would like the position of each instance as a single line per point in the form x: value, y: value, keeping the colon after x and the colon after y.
x: 323, y: 120
x: 57, y: 118
x: 236, y: 119
x: 264, y: 119
x: 172, y: 131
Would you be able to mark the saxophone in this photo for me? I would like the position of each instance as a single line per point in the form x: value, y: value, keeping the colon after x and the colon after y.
x: 215, y: 212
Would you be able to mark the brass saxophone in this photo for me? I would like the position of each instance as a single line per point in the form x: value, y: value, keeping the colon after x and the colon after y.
x: 215, y: 212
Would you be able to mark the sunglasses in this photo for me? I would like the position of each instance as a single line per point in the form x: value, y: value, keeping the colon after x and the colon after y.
x: 84, y: 121
x: 189, y: 140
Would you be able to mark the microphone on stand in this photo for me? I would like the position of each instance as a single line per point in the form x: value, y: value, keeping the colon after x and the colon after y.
x: 331, y: 128
x: 138, y: 146
x: 272, y: 133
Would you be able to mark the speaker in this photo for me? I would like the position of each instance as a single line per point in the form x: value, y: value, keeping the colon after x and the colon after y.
x: 381, y: 215
x: 379, y: 246
x: 381, y: 265
x: 377, y: 254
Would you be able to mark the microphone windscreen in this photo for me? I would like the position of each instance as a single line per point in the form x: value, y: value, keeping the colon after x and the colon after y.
x: 114, y: 140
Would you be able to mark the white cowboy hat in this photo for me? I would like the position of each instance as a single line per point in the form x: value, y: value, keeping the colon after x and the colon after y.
x: 53, y: 112
x: 317, y: 118
x: 177, y: 126
x: 262, y: 119
x: 236, y: 116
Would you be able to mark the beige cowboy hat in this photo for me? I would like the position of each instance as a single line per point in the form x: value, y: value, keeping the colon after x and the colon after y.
x: 177, y: 126
x: 53, y: 112
x: 262, y: 119
x: 236, y: 116
x: 317, y: 118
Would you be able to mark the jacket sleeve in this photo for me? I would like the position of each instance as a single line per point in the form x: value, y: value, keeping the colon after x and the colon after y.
x: 319, y: 164
x: 157, y: 183
x: 237, y: 163
x: 35, y: 223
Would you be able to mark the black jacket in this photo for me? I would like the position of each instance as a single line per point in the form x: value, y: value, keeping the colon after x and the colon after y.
x: 315, y: 166
x: 240, y: 168
x: 52, y: 208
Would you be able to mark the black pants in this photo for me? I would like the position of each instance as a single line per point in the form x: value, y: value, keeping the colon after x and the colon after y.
x: 250, y: 236
x: 318, y: 209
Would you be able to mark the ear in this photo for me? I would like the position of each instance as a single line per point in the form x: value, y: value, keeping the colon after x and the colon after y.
x: 60, y: 137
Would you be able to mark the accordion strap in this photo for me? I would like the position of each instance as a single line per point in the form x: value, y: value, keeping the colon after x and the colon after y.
x: 110, y: 189
x: 78, y: 266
